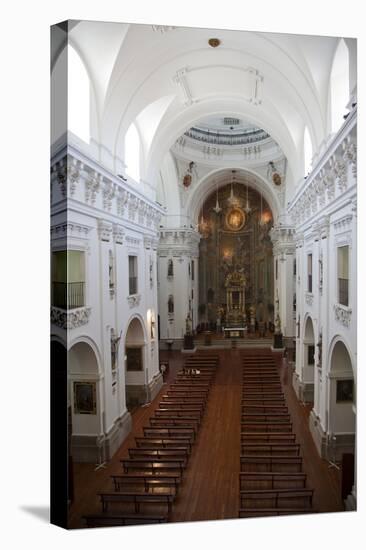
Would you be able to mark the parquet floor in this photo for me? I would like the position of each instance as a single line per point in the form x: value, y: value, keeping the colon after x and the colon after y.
x: 210, y: 487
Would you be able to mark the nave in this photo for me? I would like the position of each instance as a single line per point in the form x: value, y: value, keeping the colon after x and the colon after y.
x: 200, y: 418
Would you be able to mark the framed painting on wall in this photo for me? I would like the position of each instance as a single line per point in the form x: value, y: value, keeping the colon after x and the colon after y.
x: 134, y: 359
x: 85, y: 398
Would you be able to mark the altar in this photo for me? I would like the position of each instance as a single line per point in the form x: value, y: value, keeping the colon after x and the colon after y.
x: 235, y: 332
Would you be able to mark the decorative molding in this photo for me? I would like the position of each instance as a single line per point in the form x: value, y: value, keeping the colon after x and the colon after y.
x: 309, y: 298
x: 134, y: 300
x: 70, y: 319
x: 92, y: 187
x: 343, y: 314
x: 162, y: 28
x: 118, y: 233
x: 132, y: 241
x: 180, y: 78
x: 343, y: 224
x: 68, y: 230
x: 105, y: 230
x: 109, y: 192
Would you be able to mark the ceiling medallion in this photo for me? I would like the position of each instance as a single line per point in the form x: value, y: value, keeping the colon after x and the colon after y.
x: 214, y: 42
x: 235, y: 219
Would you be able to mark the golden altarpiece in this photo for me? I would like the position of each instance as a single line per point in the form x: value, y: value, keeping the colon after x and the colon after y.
x: 236, y: 259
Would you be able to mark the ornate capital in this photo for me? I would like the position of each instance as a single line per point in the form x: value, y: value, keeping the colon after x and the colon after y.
x: 92, y: 186
x: 109, y: 191
x: 118, y: 233
x: 309, y: 298
x: 105, y: 230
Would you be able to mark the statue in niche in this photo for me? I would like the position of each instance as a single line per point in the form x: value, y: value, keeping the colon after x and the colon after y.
x: 114, y: 348
x: 170, y: 268
x: 171, y: 304
x: 187, y: 178
x: 320, y: 349
x: 111, y: 270
x: 151, y: 270
x: 277, y: 324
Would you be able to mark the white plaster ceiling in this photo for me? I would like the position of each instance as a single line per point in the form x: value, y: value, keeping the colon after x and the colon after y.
x: 168, y: 80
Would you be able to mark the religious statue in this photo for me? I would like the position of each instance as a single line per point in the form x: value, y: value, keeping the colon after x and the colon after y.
x: 114, y: 348
x: 188, y: 324
x: 277, y: 324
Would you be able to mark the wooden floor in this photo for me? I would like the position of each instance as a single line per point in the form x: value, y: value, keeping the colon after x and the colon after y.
x: 210, y: 487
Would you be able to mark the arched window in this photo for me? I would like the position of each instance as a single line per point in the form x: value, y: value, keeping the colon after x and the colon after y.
x: 308, y: 151
x: 339, y: 85
x: 78, y: 96
x: 132, y: 152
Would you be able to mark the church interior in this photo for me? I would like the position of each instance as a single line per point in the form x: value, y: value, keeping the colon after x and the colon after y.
x: 203, y: 273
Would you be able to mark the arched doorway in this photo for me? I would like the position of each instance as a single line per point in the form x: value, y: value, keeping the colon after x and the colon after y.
x: 342, y: 419
x: 135, y: 364
x: 308, y: 361
x: 85, y: 402
x: 61, y: 465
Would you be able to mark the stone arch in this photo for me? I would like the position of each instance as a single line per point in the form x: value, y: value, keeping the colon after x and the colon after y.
x: 341, y: 395
x: 86, y: 392
x: 135, y: 362
x: 208, y: 183
x: 308, y: 358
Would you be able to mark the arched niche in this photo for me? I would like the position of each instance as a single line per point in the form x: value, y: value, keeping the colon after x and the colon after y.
x: 342, y: 391
x: 85, y: 398
x: 136, y: 369
x: 309, y: 357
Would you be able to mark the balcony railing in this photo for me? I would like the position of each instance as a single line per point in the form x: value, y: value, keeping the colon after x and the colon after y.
x: 132, y: 285
x: 343, y: 291
x: 68, y: 295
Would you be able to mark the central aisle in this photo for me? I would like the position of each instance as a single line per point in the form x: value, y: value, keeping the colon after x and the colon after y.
x: 211, y: 483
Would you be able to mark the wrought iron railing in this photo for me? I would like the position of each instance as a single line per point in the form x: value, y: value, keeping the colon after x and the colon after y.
x: 68, y: 295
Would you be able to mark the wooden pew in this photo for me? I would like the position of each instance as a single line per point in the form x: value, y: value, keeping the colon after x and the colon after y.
x: 114, y: 520
x: 179, y: 393
x: 273, y: 418
x: 183, y: 400
x: 177, y: 432
x: 166, y: 465
x: 164, y: 443
x: 268, y: 437
x: 266, y: 512
x: 263, y: 400
x: 276, y: 448
x: 181, y: 405
x: 184, y: 413
x: 267, y: 463
x: 136, y: 498
x: 147, y: 481
x: 262, y: 427
x: 174, y: 422
x: 269, y: 407
x: 276, y: 497
x: 157, y: 454
x: 273, y: 480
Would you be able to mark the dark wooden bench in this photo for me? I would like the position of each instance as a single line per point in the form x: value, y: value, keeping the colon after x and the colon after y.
x: 157, y: 454
x: 263, y: 427
x: 274, y: 418
x: 136, y: 498
x: 266, y: 463
x: 114, y: 520
x: 198, y: 389
x: 176, y: 432
x: 263, y: 401
x: 263, y: 395
x: 164, y: 442
x: 199, y: 401
x: 184, y: 413
x: 186, y: 393
x: 278, y: 495
x: 178, y: 404
x: 147, y: 481
x: 266, y: 512
x: 264, y: 448
x: 269, y: 407
x: 274, y: 480
x: 174, y: 422
x: 166, y: 465
x: 268, y: 437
